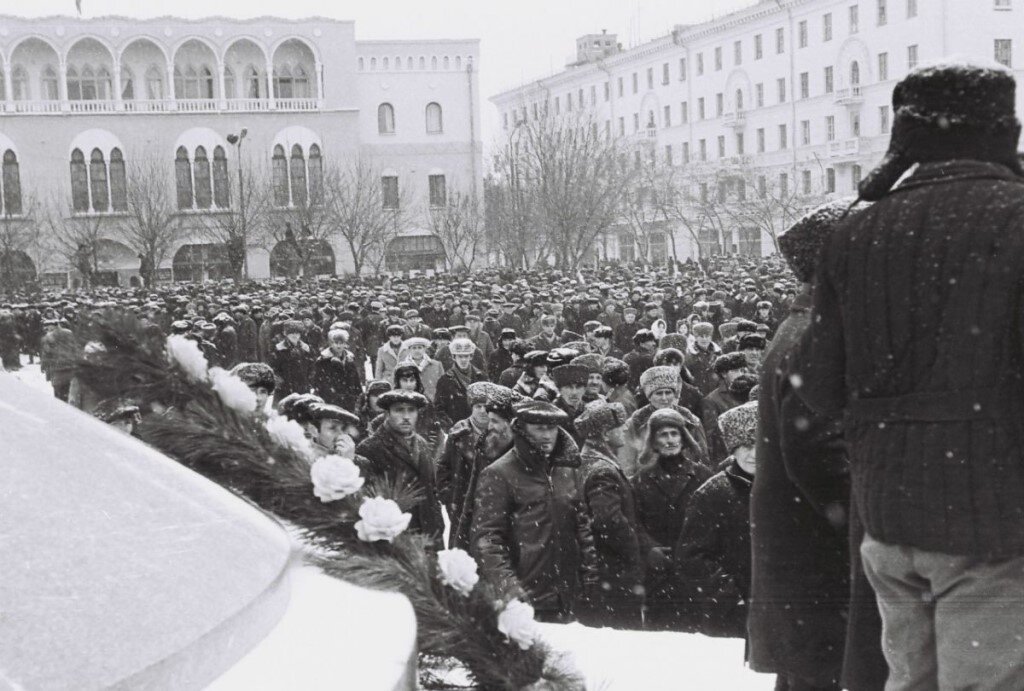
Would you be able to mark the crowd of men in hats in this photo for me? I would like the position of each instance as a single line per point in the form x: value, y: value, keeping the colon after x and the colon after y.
x: 798, y: 451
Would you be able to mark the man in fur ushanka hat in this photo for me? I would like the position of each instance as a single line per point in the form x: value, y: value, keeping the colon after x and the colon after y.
x: 919, y: 360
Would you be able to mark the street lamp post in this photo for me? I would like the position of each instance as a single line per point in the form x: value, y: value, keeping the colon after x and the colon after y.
x: 236, y: 140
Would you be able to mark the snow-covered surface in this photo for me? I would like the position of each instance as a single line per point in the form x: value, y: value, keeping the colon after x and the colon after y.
x: 612, y: 660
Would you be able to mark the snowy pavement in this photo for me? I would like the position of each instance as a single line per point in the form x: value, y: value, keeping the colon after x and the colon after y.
x: 612, y: 660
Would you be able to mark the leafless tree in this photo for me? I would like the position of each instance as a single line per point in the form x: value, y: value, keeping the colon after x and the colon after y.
x: 19, y: 239
x: 365, y: 212
x: 244, y: 225
x: 76, y: 239
x: 572, y: 178
x: 297, y: 234
x: 151, y: 224
x: 511, y: 216
x: 459, y: 226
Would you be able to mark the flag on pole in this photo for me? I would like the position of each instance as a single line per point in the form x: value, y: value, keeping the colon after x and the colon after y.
x: 78, y: 6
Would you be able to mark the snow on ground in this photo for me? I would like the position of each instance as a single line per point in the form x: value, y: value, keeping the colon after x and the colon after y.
x: 612, y: 660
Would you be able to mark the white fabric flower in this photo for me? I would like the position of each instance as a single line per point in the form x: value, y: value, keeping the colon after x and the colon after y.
x: 516, y: 622
x: 458, y: 570
x: 382, y: 519
x: 233, y: 392
x: 334, y: 478
x: 184, y: 353
x: 288, y: 433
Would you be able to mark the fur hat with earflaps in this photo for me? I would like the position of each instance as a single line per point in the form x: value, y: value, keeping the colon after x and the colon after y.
x: 954, y: 109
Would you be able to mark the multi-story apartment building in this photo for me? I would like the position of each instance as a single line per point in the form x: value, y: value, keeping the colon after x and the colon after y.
x: 82, y: 100
x: 792, y: 94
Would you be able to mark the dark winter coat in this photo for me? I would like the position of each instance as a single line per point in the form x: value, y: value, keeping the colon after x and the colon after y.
x: 573, y: 413
x: 226, y: 340
x: 336, y: 379
x: 407, y: 461
x: 531, y: 534
x: 247, y: 337
x: 620, y: 544
x: 918, y: 338
x: 714, y: 404
x: 701, y: 362
x: 800, y: 567
x: 466, y: 453
x: 712, y: 555
x: 450, y: 397
x: 58, y: 351
x: 293, y: 365
x: 500, y: 360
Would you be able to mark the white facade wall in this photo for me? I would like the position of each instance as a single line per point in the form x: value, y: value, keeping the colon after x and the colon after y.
x: 338, y: 112
x: 936, y: 29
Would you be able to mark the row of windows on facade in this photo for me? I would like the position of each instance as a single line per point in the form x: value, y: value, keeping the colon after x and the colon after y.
x: 748, y: 244
x: 806, y: 138
x: 202, y: 182
x: 736, y: 189
x: 432, y: 113
x: 411, y: 63
x: 89, y: 84
x: 1002, y: 53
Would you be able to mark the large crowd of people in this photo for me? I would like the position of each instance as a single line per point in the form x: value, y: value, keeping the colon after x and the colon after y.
x: 675, y: 448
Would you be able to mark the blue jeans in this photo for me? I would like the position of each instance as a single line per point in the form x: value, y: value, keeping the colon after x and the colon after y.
x: 949, y: 622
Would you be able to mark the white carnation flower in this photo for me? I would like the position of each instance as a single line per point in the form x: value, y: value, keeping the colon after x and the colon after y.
x: 382, y: 519
x: 233, y: 392
x: 334, y: 478
x: 458, y: 570
x: 516, y: 622
x: 288, y: 433
x: 185, y: 354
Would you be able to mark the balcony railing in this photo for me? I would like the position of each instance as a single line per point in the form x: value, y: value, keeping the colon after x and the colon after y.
x: 849, y: 96
x: 180, y: 105
x: 737, y: 119
x: 844, y: 148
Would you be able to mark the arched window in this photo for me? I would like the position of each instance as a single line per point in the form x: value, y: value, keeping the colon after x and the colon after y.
x: 282, y: 82
x: 201, y: 179
x: 408, y: 63
x: 300, y: 83
x: 279, y: 165
x: 11, y: 184
x: 79, y: 182
x: 98, y: 181
x: 458, y: 62
x: 104, y: 85
x: 434, y: 122
x: 74, y: 85
x: 154, y: 83
x: 854, y: 74
x: 445, y: 62
x: 373, y: 63
x: 19, y: 84
x: 423, y: 63
x: 118, y: 181
x: 362, y: 64
x: 50, y: 90
x: 179, y: 83
x: 191, y: 83
x: 433, y: 63
x: 739, y: 100
x: 384, y: 63
x: 87, y: 85
x: 229, y: 83
x: 316, y: 175
x: 221, y: 188
x: 127, y: 84
x: 183, y: 178
x: 206, y: 89
x: 297, y: 168
x: 385, y: 118
x: 252, y: 83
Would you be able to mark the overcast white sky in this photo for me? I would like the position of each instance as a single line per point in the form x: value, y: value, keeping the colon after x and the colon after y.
x: 519, y: 39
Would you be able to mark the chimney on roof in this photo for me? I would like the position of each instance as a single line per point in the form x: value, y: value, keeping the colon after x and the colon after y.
x: 593, y: 47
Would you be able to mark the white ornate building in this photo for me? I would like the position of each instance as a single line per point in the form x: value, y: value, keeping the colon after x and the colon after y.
x: 797, y: 90
x: 81, y: 99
